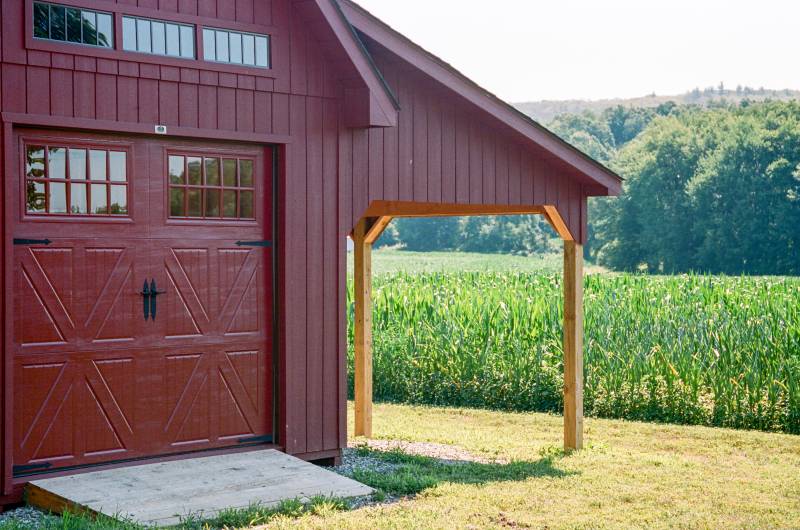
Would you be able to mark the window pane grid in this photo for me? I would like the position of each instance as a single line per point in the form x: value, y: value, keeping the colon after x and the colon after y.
x: 157, y: 37
x: 62, y: 180
x: 73, y: 25
x: 216, y: 193
x: 235, y: 47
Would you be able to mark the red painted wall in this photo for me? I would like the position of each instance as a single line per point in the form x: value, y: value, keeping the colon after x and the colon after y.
x: 442, y: 151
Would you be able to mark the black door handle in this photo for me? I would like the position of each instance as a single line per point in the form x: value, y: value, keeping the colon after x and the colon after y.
x: 154, y: 292
x: 146, y: 300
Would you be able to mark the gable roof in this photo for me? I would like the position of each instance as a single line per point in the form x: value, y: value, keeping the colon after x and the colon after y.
x: 444, y: 73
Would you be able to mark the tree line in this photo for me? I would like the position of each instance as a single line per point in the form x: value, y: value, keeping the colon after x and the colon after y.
x: 713, y: 189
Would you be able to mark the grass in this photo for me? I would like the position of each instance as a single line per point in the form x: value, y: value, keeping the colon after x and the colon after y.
x: 631, y: 475
x: 707, y: 350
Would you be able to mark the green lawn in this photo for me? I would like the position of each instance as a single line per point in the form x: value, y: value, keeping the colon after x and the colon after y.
x: 632, y: 475
x: 388, y: 261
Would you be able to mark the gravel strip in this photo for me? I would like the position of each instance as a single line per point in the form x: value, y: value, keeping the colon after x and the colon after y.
x: 26, y: 517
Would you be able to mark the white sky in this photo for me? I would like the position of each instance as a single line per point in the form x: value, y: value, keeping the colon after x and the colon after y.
x: 525, y: 50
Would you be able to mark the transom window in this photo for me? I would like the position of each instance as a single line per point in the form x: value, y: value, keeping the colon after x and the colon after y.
x: 75, y: 180
x: 203, y: 187
x: 157, y: 37
x: 72, y: 24
x: 234, y: 47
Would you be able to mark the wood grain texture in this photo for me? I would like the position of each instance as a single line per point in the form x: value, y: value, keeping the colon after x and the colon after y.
x: 362, y: 340
x: 573, y: 345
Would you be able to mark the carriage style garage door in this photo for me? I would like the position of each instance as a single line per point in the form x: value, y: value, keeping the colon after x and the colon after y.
x: 142, y: 298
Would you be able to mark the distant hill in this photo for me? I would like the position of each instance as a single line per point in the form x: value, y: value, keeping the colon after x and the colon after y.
x: 544, y: 111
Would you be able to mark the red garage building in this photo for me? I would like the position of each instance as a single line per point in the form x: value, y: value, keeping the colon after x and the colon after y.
x: 179, y: 177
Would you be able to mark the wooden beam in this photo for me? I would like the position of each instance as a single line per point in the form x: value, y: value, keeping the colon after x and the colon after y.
x: 427, y: 209
x: 573, y: 346
x: 376, y: 228
x: 362, y: 276
x: 557, y: 222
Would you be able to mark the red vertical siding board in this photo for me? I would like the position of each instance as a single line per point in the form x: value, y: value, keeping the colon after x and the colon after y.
x: 296, y: 281
x: 315, y: 69
x: 434, y: 151
x: 262, y: 12
x: 280, y: 114
x: 314, y: 292
x: 420, y: 151
x: 550, y: 184
x: 84, y: 95
x: 61, y: 93
x: 475, y: 163
x: 501, y: 171
x: 37, y: 58
x: 332, y: 304
x: 245, y: 111
x: 448, y: 155
x: 539, y: 183
x: 390, y: 161
x: 188, y: 105
x: 406, y: 142
x: 462, y: 158
x: 226, y: 109
x: 346, y: 214
x: 207, y: 8
x: 106, y: 90
x: 13, y: 20
x: 360, y: 173
x: 489, y: 176
x: 526, y: 179
x: 375, y: 173
x: 168, y: 110
x: 208, y: 107
x: 148, y: 101
x: 298, y: 59
x: 226, y: 9
x: 514, y: 170
x: 152, y: 4
x: 38, y: 90
x: 262, y: 112
x: 187, y: 7
x: 244, y: 11
x: 127, y: 99
x: 168, y: 5
x: 14, y: 88
x: 584, y: 218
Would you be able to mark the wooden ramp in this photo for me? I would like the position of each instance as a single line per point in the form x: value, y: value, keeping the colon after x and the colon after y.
x: 160, y: 494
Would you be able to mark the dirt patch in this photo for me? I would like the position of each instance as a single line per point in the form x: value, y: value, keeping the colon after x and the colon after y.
x: 447, y: 454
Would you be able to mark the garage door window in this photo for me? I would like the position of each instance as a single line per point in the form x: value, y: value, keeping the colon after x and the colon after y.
x: 75, y: 180
x: 203, y: 187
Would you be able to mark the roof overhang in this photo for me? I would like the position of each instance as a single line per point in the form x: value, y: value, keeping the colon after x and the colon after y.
x: 374, y: 103
x: 605, y: 181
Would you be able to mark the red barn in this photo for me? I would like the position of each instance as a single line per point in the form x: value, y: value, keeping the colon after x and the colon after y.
x: 179, y: 177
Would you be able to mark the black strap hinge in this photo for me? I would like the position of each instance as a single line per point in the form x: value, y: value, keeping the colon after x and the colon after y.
x: 32, y: 241
x: 266, y: 244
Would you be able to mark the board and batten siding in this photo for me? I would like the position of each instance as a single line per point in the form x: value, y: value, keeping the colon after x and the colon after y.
x: 443, y: 150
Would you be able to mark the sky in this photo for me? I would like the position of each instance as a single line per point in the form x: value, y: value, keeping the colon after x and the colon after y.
x: 527, y: 50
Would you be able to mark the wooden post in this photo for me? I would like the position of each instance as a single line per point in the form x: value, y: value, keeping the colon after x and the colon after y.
x: 573, y: 345
x: 362, y: 276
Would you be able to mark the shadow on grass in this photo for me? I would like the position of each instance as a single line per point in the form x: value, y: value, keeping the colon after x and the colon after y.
x: 411, y: 474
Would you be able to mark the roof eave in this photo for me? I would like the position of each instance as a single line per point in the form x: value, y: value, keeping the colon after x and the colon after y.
x: 445, y: 74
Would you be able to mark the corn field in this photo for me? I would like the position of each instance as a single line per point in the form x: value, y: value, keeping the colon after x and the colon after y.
x: 705, y: 350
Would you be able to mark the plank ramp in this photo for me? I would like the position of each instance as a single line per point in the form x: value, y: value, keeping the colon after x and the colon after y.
x: 160, y: 494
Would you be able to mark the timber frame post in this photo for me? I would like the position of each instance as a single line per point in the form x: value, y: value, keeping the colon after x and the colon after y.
x: 573, y: 345
x: 365, y: 234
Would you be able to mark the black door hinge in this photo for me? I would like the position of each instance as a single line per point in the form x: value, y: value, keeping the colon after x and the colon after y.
x: 27, y: 468
x: 32, y: 241
x: 266, y: 244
